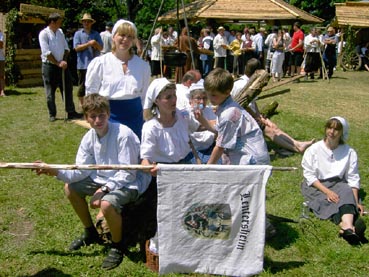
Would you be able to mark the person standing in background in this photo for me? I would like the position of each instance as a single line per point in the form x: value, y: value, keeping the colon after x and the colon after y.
x: 330, y: 56
x: 156, y: 53
x: 2, y: 65
x: 88, y: 44
x: 220, y: 48
x: 54, y: 55
x: 296, y: 49
x: 106, y: 38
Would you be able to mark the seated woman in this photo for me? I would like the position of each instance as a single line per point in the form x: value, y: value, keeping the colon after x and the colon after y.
x: 203, y: 141
x: 166, y: 133
x: 332, y: 182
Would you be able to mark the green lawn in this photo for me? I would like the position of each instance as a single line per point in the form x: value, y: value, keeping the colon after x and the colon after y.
x: 37, y: 222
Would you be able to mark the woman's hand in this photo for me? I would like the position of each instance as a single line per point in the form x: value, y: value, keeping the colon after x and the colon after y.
x: 361, y: 209
x: 152, y: 171
x: 332, y: 196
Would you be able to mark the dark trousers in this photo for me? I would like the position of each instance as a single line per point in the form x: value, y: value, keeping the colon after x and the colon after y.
x: 330, y: 61
x: 219, y: 62
x: 81, y: 82
x: 52, y: 76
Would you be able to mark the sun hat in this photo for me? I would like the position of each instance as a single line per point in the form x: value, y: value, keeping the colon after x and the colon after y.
x: 120, y: 22
x: 87, y: 17
x: 345, y: 127
x: 330, y: 29
x: 154, y: 89
x: 220, y: 28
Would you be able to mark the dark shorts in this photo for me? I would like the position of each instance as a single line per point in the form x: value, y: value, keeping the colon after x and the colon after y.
x: 296, y: 58
x: 117, y: 198
x: 2, y: 69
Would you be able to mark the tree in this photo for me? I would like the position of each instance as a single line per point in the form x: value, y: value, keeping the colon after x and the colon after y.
x: 322, y: 8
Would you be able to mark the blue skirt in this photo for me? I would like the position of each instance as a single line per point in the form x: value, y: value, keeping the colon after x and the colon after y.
x: 128, y: 112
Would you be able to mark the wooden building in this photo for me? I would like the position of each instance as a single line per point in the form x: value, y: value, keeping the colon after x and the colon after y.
x: 356, y: 15
x: 272, y: 12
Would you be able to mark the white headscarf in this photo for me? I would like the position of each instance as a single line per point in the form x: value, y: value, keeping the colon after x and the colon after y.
x: 120, y: 22
x: 345, y: 127
x: 154, y: 89
x: 198, y: 85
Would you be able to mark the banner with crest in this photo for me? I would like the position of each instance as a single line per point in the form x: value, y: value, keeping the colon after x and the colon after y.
x: 211, y: 219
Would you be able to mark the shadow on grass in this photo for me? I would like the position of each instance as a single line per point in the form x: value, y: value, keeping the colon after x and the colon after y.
x: 52, y: 272
x: 67, y: 253
x: 275, y: 267
x: 274, y: 93
x: 285, y: 235
x: 14, y: 92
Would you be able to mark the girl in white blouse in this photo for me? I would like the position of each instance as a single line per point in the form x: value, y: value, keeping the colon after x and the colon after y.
x: 332, y: 182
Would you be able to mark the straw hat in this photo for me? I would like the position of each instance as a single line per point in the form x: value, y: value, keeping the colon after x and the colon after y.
x: 330, y: 29
x: 220, y: 28
x: 88, y: 17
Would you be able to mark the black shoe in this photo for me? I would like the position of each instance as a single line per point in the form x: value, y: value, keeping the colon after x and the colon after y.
x: 350, y: 236
x: 52, y: 118
x: 84, y: 240
x: 360, y: 228
x: 74, y: 115
x: 114, y: 259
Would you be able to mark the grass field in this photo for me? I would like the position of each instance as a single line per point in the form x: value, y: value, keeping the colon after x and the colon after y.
x: 37, y: 222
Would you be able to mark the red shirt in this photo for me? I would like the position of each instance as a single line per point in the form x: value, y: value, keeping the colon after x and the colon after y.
x: 297, y: 36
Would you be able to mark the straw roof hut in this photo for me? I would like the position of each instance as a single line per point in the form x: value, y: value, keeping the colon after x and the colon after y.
x: 355, y: 14
x: 237, y: 11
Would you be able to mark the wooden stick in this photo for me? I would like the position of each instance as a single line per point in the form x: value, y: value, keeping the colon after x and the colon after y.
x: 96, y: 166
x: 75, y: 166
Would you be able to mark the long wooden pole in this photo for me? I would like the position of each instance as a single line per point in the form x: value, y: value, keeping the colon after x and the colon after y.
x: 95, y: 166
x: 75, y: 166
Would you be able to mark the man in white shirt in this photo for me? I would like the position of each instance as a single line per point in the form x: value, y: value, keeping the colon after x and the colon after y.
x: 259, y: 45
x: 220, y: 48
x: 54, y: 53
x: 106, y: 38
x: 183, y: 89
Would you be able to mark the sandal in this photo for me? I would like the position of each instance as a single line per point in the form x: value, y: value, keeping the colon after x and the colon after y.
x: 114, y: 259
x: 350, y: 236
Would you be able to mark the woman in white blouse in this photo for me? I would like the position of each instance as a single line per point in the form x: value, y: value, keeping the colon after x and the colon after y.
x: 332, y: 182
x: 122, y: 77
x: 166, y: 133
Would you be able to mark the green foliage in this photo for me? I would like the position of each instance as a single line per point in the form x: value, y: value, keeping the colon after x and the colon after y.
x: 322, y: 8
x: 146, y: 15
x: 11, y: 71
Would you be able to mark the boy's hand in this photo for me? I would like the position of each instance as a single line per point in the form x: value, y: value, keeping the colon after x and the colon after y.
x: 46, y: 171
x: 96, y: 199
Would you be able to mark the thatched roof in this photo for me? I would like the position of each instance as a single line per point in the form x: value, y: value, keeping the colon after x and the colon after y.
x: 223, y: 11
x: 355, y: 14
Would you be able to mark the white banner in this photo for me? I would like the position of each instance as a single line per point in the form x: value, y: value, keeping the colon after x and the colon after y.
x: 211, y: 219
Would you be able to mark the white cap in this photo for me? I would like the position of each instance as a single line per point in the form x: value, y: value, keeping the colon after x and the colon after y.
x: 120, y: 22
x: 345, y: 127
x: 153, y: 91
x: 198, y: 85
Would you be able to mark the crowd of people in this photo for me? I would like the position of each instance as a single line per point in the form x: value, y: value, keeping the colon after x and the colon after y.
x: 137, y: 117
